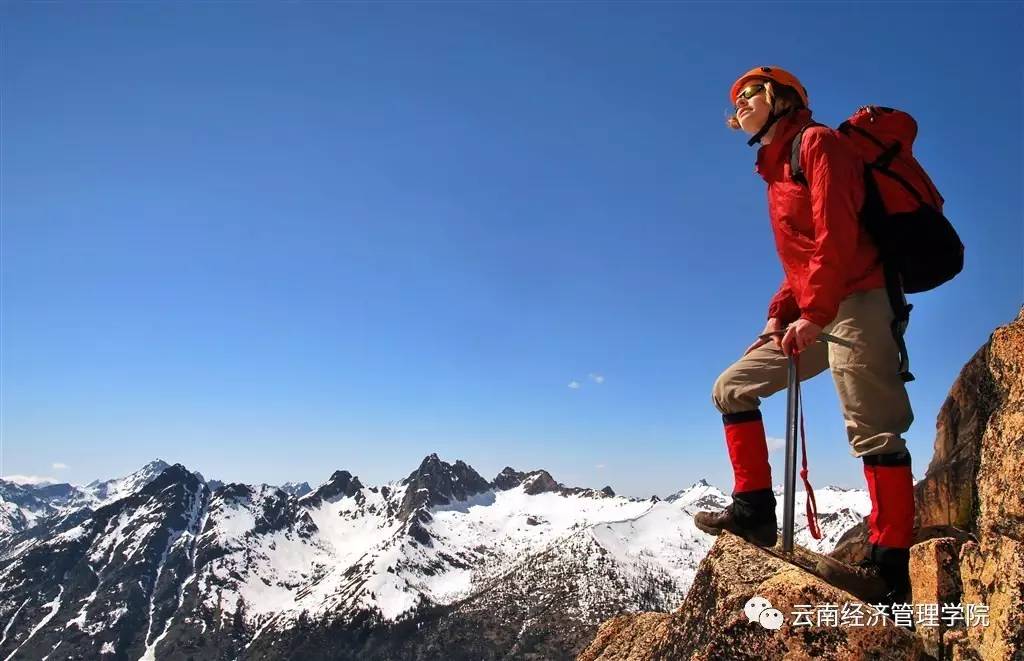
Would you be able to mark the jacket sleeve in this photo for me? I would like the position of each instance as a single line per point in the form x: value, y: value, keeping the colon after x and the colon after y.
x: 836, y: 179
x: 783, y: 305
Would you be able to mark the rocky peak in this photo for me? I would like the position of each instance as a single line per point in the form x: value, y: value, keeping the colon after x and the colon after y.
x: 605, y: 492
x: 143, y: 475
x: 176, y: 474
x: 342, y: 484
x: 19, y: 494
x: 534, y: 482
x: 156, y: 466
x: 103, y: 492
x: 297, y: 489
x: 436, y: 483
x: 701, y: 494
x: 235, y: 491
x: 540, y: 482
x: 170, y: 489
x: 711, y: 622
x: 508, y: 478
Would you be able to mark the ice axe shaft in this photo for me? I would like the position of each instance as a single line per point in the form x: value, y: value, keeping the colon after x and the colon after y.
x: 789, y: 486
x: 792, y: 437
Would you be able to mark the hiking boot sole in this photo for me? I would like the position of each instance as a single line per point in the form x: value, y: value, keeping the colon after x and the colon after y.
x: 763, y: 536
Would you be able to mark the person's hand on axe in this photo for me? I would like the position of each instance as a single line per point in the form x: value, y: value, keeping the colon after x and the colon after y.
x: 800, y: 335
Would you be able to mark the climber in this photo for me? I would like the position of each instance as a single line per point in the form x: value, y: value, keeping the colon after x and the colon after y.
x: 833, y: 283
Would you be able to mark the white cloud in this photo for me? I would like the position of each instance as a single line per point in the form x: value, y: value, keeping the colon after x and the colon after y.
x: 575, y: 385
x: 59, y: 466
x: 776, y: 444
x: 599, y: 466
x: 598, y: 378
x: 27, y: 479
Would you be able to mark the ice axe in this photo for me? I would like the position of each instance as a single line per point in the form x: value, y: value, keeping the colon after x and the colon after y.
x: 793, y: 429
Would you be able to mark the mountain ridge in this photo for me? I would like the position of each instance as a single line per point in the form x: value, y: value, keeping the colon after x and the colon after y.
x: 263, y: 570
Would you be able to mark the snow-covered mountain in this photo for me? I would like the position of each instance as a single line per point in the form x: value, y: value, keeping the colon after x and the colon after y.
x: 838, y: 510
x: 297, y: 489
x: 24, y: 505
x: 440, y: 564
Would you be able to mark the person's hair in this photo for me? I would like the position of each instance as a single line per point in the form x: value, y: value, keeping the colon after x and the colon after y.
x: 782, y: 96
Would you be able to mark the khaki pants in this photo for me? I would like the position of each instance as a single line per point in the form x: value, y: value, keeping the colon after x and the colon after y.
x: 872, y: 396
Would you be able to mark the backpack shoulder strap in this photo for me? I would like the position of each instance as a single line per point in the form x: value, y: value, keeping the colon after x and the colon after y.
x: 794, y: 155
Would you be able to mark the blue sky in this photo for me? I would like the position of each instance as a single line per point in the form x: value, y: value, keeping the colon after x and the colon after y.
x: 273, y: 241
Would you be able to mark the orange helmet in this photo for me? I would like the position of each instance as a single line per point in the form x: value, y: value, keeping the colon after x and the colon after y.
x: 780, y: 76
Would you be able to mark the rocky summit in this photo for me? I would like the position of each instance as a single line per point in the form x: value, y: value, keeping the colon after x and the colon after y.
x: 969, y: 551
x: 712, y: 623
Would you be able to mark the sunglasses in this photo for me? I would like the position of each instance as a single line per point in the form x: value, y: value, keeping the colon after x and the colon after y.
x: 749, y: 92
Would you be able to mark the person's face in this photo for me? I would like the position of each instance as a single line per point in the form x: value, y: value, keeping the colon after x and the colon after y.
x: 752, y: 107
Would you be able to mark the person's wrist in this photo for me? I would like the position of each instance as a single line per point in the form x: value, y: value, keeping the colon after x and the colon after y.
x: 813, y: 319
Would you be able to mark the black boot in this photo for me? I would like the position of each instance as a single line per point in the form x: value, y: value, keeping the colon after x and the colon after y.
x: 893, y: 565
x: 888, y: 571
x: 750, y: 516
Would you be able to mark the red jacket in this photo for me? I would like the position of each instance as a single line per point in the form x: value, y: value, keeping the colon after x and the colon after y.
x: 826, y: 254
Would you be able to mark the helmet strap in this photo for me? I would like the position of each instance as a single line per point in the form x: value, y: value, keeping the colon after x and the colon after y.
x: 772, y: 118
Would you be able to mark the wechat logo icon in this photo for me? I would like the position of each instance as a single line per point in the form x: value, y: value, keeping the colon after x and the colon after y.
x: 759, y: 609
